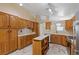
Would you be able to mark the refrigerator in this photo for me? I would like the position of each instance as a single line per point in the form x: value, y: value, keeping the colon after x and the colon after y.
x: 76, y: 27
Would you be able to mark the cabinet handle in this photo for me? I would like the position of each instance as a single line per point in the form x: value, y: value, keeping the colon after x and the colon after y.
x: 9, y: 31
x: 8, y: 25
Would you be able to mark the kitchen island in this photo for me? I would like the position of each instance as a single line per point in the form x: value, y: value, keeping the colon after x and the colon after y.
x: 40, y: 45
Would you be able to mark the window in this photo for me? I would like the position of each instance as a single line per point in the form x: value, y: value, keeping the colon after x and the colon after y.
x: 59, y: 28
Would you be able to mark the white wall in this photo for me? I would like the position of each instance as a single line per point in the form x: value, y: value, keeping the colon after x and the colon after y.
x: 15, y: 9
x: 53, y: 27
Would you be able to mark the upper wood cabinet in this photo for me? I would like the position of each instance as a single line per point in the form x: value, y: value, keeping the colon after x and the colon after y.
x: 4, y: 20
x: 14, y: 22
x: 36, y: 28
x: 29, y: 24
x: 48, y: 25
x: 69, y: 25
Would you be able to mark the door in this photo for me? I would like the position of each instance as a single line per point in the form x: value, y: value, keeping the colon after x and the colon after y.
x: 4, y: 41
x: 4, y: 20
x: 13, y: 39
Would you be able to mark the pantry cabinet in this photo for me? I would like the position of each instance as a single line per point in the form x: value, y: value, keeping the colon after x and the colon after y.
x: 4, y: 41
x: 13, y: 35
x: 8, y: 40
x: 4, y: 20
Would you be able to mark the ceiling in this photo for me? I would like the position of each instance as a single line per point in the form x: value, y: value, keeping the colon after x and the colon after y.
x: 60, y: 10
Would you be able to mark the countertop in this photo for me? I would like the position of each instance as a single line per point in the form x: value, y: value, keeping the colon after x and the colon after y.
x: 24, y: 34
x: 41, y: 37
x: 64, y: 33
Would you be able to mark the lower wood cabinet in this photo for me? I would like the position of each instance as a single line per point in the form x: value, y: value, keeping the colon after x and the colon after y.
x: 59, y: 39
x: 40, y: 47
x: 13, y: 39
x: 8, y: 41
x: 4, y: 41
x: 25, y: 40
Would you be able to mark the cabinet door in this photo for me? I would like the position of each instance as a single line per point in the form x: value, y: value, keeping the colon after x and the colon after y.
x: 14, y: 22
x: 13, y: 39
x: 4, y: 20
x: 36, y: 28
x: 69, y: 25
x: 4, y: 41
x: 58, y: 39
x: 48, y: 25
x: 63, y: 40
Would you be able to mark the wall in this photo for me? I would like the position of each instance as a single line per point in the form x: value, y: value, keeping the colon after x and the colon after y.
x: 53, y: 28
x: 15, y: 9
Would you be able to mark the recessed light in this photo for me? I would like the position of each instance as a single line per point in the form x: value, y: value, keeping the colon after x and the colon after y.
x: 50, y: 10
x: 20, y: 4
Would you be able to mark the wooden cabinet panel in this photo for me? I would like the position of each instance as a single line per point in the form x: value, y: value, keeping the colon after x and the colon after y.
x: 63, y: 40
x: 25, y: 40
x: 4, y: 41
x: 4, y: 20
x: 36, y: 28
x: 14, y: 22
x: 69, y: 25
x: 59, y: 39
x: 13, y: 39
x: 40, y: 47
x: 48, y: 25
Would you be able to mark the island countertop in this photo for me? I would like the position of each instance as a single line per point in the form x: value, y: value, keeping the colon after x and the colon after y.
x: 41, y: 37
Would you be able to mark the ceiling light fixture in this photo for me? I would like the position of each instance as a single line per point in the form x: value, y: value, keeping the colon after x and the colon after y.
x: 20, y: 4
x: 50, y: 10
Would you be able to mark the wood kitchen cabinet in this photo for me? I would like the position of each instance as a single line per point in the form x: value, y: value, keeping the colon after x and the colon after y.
x: 69, y: 25
x: 64, y: 40
x: 29, y: 24
x: 8, y: 40
x: 25, y: 40
x: 4, y: 20
x: 48, y: 25
x: 4, y: 41
x: 55, y: 39
x: 14, y: 22
x: 13, y: 42
x: 36, y: 28
x: 40, y: 46
x: 59, y: 39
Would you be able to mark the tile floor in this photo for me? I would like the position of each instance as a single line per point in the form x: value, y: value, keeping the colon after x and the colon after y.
x: 54, y: 49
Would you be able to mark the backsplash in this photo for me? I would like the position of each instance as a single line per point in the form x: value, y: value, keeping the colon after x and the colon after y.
x: 24, y: 31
